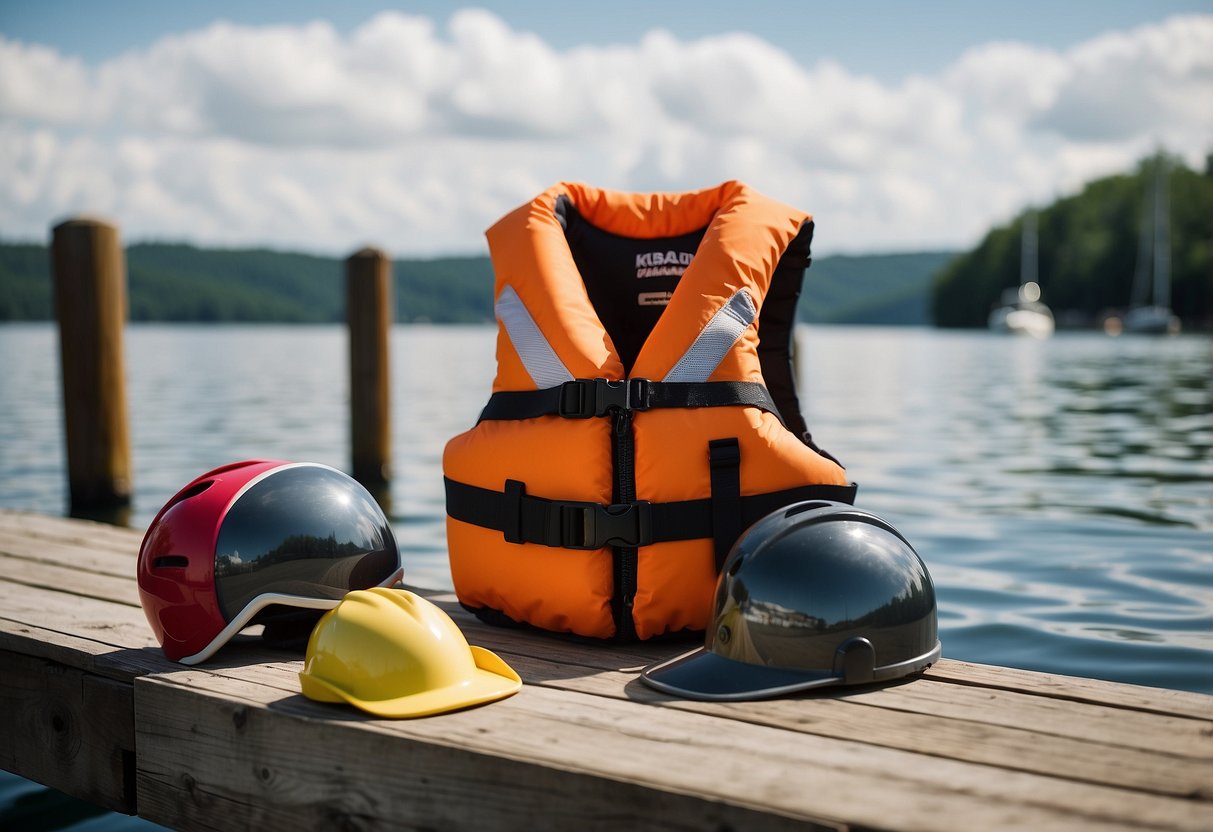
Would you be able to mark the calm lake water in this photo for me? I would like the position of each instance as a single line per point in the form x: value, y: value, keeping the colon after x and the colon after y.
x: 1060, y: 491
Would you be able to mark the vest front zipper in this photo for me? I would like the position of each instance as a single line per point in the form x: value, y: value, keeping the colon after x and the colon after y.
x: 623, y: 457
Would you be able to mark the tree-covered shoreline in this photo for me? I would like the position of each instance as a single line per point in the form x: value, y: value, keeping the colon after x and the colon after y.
x: 169, y: 282
x: 1088, y: 252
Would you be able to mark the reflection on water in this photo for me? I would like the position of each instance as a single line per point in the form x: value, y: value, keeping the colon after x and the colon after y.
x: 1058, y: 490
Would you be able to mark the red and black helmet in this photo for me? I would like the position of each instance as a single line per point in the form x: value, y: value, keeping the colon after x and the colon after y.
x: 245, y: 538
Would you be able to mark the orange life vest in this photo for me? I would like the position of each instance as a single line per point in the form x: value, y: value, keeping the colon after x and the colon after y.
x: 641, y: 418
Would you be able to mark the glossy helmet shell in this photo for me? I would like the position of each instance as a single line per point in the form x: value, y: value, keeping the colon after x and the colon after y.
x: 815, y: 594
x: 254, y: 534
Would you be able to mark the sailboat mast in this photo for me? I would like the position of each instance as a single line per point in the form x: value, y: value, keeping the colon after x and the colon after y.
x: 1162, y: 234
x: 1153, y: 254
x: 1028, y: 248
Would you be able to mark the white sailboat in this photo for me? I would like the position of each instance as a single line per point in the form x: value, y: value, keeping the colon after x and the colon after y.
x: 1020, y: 310
x: 1154, y: 260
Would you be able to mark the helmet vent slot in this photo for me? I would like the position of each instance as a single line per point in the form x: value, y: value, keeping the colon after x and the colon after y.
x: 192, y: 491
x: 171, y: 562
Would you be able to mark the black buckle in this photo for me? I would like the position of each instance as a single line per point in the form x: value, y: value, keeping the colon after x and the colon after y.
x: 593, y: 525
x: 584, y: 398
x: 638, y: 393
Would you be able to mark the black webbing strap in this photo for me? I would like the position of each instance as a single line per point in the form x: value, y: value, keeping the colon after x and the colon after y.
x: 584, y: 525
x: 711, y: 394
x: 586, y: 398
x: 689, y: 519
x: 724, y: 458
x: 569, y: 524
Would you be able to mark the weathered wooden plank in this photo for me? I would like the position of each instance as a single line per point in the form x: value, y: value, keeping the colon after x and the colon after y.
x: 78, y: 555
x: 116, y: 623
x: 1061, y: 688
x: 838, y: 715
x: 319, y: 775
x: 122, y: 664
x: 1162, y: 769
x: 249, y: 754
x: 1077, y: 689
x: 71, y: 530
x: 986, y: 747
x: 1116, y: 726
x: 553, y: 660
x: 103, y: 637
x: 70, y: 581
x: 68, y: 729
x: 1033, y: 749
x: 1144, y: 731
x: 1120, y: 726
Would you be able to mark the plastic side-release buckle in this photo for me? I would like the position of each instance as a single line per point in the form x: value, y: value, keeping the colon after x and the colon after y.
x: 593, y: 525
x: 585, y: 398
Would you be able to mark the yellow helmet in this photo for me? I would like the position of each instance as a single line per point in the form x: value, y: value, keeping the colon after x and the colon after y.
x: 394, y: 654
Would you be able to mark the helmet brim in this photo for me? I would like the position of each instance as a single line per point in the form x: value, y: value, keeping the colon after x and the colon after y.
x: 702, y: 674
x: 492, y: 679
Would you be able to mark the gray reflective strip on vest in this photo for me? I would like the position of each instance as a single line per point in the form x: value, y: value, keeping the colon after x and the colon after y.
x: 715, y: 340
x: 540, y: 360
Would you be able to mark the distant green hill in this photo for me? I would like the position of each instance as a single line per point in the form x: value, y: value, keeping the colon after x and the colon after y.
x: 173, y: 282
x: 871, y: 289
x: 182, y: 283
x: 1088, y: 252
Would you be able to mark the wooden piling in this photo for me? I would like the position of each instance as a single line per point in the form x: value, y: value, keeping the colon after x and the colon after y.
x: 369, y: 313
x: 90, y: 304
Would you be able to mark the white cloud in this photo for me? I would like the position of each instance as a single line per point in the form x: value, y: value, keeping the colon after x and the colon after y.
x: 39, y: 84
x: 1160, y: 76
x: 416, y: 139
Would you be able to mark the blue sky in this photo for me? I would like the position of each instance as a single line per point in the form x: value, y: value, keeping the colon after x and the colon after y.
x: 414, y: 125
x: 884, y: 38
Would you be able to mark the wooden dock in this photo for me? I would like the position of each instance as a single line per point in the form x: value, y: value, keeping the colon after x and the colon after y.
x: 89, y: 706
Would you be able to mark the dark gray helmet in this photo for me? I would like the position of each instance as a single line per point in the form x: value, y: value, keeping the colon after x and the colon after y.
x: 817, y: 593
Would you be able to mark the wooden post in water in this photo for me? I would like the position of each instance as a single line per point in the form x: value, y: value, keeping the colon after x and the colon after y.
x: 90, y: 303
x: 368, y: 305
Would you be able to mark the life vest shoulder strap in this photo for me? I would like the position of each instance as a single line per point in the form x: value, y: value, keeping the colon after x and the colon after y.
x: 587, y: 398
